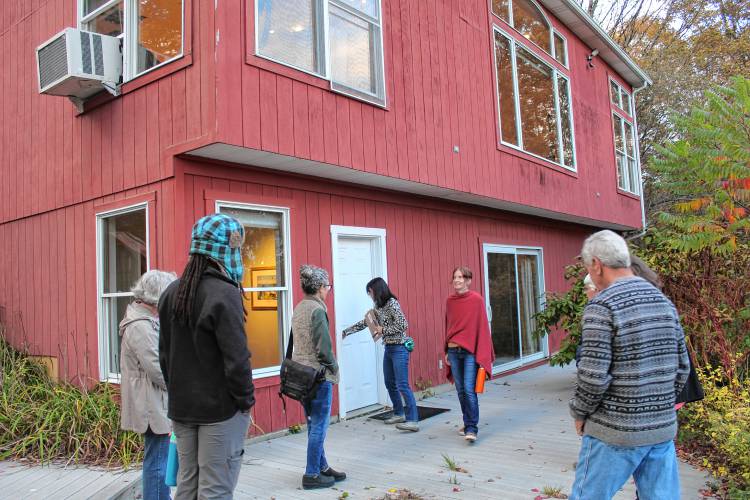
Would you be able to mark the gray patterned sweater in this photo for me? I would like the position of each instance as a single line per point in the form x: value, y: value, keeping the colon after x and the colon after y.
x: 633, y: 364
x: 391, y: 318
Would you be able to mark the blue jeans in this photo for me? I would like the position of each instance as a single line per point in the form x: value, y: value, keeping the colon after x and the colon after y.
x: 318, y: 413
x: 464, y: 369
x: 396, y: 377
x: 155, y: 466
x: 603, y: 469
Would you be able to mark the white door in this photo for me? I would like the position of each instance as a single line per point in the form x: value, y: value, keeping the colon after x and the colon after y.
x: 358, y: 258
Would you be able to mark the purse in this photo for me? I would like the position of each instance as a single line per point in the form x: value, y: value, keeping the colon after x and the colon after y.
x: 299, y: 382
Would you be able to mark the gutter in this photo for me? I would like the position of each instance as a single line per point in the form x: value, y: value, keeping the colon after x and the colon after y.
x: 638, y: 158
x: 611, y: 44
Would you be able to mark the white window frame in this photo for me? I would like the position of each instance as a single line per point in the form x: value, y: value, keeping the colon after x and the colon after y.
x: 558, y: 116
x: 552, y: 30
x: 565, y: 47
x: 620, y: 91
x: 129, y: 35
x: 632, y: 185
x: 286, y: 290
x: 105, y: 372
x: 514, y: 250
x: 324, y: 46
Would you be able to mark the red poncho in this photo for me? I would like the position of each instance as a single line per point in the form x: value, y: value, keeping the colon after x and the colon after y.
x: 466, y: 325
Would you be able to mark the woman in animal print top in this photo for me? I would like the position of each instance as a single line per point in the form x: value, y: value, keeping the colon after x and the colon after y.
x: 392, y: 326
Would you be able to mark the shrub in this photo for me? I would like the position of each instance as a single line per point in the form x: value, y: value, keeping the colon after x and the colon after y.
x: 43, y: 421
x: 720, y: 425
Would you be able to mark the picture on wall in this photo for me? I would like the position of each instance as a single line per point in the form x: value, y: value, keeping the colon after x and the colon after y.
x: 267, y: 299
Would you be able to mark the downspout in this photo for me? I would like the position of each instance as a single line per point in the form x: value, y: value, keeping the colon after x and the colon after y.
x: 638, y: 159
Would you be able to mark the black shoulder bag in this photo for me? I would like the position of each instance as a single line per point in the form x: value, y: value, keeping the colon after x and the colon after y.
x: 298, y: 381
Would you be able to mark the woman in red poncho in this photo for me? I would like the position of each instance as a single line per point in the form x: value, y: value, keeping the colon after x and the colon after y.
x: 468, y: 346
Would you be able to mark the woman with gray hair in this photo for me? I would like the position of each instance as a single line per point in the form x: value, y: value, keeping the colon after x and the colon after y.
x: 143, y: 391
x: 312, y: 347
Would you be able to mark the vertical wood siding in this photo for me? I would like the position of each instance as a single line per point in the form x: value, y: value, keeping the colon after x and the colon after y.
x: 51, y: 158
x: 440, y: 82
x: 425, y: 241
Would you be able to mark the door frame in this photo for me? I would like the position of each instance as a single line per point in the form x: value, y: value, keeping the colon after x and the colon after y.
x: 516, y: 250
x: 377, y: 242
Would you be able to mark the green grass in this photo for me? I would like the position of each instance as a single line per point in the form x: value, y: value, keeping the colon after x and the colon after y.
x: 44, y: 421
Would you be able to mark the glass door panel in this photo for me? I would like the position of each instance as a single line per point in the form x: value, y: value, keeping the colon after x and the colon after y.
x: 501, y: 270
x: 513, y: 293
x: 528, y: 294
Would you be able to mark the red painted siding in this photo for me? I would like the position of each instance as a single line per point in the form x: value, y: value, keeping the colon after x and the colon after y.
x: 440, y: 84
x: 425, y: 240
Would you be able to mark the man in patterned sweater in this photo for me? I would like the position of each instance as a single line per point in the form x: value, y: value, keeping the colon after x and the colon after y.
x: 633, y: 364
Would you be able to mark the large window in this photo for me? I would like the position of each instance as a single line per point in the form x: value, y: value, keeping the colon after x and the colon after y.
x: 265, y: 256
x: 527, y: 18
x: 122, y: 253
x: 340, y: 40
x: 151, y: 29
x: 534, y: 103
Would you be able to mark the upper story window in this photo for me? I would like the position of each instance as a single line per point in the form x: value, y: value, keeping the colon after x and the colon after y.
x: 339, y: 40
x: 152, y: 30
x: 527, y: 18
x: 534, y: 103
x: 623, y: 128
x: 620, y: 97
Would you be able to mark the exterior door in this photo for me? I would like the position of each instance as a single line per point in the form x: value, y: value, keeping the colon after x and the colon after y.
x: 358, y: 258
x: 514, y: 293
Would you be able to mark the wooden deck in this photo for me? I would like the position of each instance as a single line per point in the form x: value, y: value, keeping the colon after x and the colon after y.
x: 526, y: 442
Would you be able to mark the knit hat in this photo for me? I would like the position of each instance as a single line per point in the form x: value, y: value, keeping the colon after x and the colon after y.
x: 220, y: 237
x: 312, y: 277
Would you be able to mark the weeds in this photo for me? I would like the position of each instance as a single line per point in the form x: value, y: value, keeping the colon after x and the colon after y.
x: 553, y: 492
x: 42, y: 421
x: 401, y: 494
x: 450, y: 464
x: 424, y: 386
x: 453, y: 479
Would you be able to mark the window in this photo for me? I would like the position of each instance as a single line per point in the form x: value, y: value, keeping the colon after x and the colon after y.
x: 619, y: 97
x: 534, y: 103
x: 339, y: 40
x: 527, y: 18
x: 123, y: 256
x: 151, y: 30
x: 625, y: 156
x: 265, y: 256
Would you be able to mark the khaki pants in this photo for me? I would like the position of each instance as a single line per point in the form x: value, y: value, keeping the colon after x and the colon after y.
x: 210, y: 456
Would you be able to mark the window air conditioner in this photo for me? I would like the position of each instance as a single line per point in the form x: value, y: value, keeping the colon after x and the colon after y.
x: 78, y: 64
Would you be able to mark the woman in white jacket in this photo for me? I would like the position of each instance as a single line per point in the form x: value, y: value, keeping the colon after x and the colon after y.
x: 143, y: 391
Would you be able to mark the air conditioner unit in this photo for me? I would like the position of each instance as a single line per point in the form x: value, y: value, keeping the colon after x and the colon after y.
x: 78, y: 64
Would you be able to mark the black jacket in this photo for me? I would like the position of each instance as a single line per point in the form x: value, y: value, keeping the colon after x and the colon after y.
x: 207, y: 367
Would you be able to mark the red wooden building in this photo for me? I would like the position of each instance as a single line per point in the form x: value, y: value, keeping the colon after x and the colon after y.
x: 397, y: 138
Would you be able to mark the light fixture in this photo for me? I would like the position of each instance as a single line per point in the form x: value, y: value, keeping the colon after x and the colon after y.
x: 590, y: 57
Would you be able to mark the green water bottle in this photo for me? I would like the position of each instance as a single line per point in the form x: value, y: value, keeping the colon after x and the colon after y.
x: 173, y: 465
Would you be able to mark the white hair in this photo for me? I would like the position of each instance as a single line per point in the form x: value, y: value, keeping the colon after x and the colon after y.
x: 151, y: 285
x: 607, y: 246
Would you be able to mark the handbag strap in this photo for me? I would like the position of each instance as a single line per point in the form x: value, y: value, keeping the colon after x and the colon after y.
x: 290, y: 345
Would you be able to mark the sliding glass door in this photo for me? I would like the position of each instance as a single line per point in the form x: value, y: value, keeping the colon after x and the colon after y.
x: 514, y: 286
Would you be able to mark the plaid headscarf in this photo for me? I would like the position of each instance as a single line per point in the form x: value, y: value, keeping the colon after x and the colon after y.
x: 220, y: 237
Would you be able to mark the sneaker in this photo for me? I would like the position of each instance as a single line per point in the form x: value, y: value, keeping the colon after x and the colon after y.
x: 396, y: 419
x: 310, y: 482
x: 336, y: 475
x: 470, y: 437
x: 408, y: 426
x: 462, y: 431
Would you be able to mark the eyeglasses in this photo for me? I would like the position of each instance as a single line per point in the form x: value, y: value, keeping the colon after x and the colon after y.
x: 328, y: 287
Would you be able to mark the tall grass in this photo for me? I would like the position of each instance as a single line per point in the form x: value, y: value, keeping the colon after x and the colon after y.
x: 44, y: 421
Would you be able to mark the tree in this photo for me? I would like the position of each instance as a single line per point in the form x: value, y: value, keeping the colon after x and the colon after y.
x: 707, y: 174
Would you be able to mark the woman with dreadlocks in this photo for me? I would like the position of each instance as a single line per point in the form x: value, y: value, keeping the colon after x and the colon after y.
x: 205, y: 361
